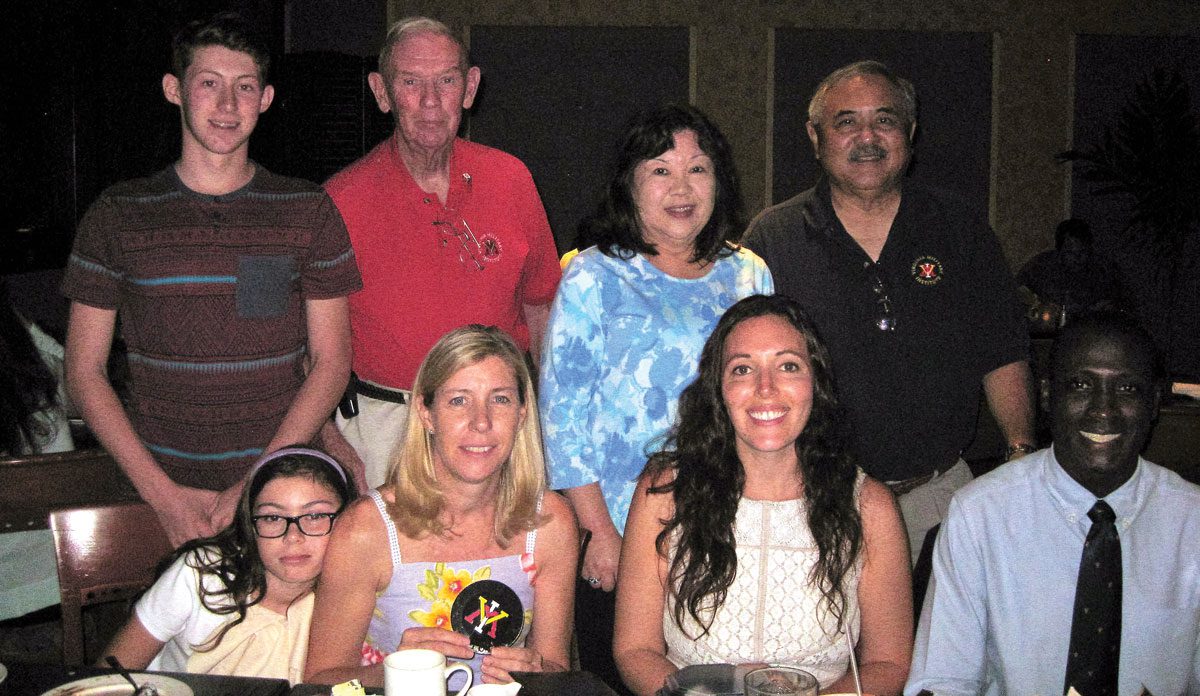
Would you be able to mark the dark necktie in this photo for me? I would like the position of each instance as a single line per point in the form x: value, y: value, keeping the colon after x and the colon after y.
x: 1096, y: 624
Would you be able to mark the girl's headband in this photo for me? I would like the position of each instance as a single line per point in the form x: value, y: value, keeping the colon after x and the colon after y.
x: 279, y: 453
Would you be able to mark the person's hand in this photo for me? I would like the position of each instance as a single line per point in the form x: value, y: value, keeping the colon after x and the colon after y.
x: 336, y: 446
x: 498, y: 665
x: 225, y: 507
x: 449, y: 643
x: 185, y: 514
x: 601, y: 559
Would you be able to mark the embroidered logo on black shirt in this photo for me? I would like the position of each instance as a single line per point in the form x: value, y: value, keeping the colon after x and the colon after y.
x: 927, y: 270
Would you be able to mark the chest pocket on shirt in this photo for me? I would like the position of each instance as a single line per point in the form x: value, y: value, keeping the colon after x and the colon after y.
x: 263, y: 285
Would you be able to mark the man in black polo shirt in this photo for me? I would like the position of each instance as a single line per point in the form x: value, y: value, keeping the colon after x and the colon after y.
x: 910, y: 291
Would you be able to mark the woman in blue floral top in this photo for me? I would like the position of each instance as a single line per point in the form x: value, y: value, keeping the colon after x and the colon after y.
x: 626, y: 328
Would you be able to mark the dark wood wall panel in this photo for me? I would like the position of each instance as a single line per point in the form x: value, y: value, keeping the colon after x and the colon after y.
x: 952, y: 72
x: 83, y: 108
x: 559, y: 97
x: 325, y: 116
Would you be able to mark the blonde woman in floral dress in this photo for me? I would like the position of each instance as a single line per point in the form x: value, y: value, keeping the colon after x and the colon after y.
x: 466, y: 501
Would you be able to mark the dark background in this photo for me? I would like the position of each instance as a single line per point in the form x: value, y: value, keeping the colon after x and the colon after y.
x: 84, y: 107
x: 559, y: 97
x: 1003, y: 87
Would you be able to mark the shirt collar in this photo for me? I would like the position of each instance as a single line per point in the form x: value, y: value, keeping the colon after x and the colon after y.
x: 174, y: 180
x: 460, y: 181
x: 821, y: 210
x: 1074, y: 501
x: 823, y: 218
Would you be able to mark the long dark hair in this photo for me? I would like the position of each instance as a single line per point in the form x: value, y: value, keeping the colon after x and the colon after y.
x: 231, y: 555
x: 27, y: 386
x: 707, y: 478
x: 614, y: 227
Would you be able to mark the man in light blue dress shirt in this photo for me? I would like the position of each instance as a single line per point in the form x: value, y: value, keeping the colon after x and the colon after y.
x: 997, y: 616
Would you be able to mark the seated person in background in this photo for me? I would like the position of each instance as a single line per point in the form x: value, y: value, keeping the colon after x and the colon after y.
x: 240, y: 602
x: 753, y: 538
x: 466, y: 501
x: 33, y: 420
x: 1076, y: 566
x: 1073, y: 277
x: 33, y: 417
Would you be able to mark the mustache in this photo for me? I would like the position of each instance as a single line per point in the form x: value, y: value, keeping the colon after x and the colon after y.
x: 860, y: 152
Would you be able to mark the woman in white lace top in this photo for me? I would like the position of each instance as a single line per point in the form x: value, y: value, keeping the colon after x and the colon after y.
x: 753, y: 538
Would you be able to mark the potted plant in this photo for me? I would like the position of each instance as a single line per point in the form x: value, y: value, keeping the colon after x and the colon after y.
x: 1151, y: 157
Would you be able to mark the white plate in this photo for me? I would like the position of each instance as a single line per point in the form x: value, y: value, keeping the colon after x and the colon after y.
x: 3, y: 673
x: 115, y: 685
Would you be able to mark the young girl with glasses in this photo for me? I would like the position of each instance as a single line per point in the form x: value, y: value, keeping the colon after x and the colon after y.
x: 240, y: 602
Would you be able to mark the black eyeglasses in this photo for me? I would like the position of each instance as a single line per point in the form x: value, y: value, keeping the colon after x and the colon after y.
x: 469, y: 251
x: 313, y: 524
x: 886, y: 319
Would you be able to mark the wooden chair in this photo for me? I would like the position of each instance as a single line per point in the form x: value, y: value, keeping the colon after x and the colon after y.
x: 35, y: 484
x: 105, y: 554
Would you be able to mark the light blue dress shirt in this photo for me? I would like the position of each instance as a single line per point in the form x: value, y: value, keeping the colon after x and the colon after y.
x: 997, y: 616
x: 623, y: 340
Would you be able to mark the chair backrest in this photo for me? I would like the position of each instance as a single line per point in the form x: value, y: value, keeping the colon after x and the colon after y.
x: 1175, y: 440
x: 922, y: 571
x: 105, y: 554
x: 35, y: 484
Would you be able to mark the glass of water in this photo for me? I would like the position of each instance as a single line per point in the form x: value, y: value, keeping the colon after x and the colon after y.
x: 774, y: 681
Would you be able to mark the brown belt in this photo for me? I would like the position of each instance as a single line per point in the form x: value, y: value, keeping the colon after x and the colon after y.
x: 899, y: 488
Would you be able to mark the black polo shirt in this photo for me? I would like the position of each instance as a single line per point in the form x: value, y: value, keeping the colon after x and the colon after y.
x: 912, y: 392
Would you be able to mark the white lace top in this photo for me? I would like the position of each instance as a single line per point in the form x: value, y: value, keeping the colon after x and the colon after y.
x: 772, y: 613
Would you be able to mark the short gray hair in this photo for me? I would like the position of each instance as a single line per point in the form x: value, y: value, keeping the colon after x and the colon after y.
x: 409, y: 26
x: 904, y: 89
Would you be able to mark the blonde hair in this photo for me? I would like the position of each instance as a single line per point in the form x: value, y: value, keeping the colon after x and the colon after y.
x: 419, y: 498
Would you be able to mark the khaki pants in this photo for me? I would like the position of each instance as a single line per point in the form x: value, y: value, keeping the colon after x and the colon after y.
x: 925, y: 506
x: 375, y: 433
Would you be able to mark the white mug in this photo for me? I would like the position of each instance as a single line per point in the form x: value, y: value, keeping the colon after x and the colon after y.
x: 419, y: 672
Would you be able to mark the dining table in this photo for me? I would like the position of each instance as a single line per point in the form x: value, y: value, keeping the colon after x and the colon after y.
x: 575, y: 683
x: 26, y: 679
